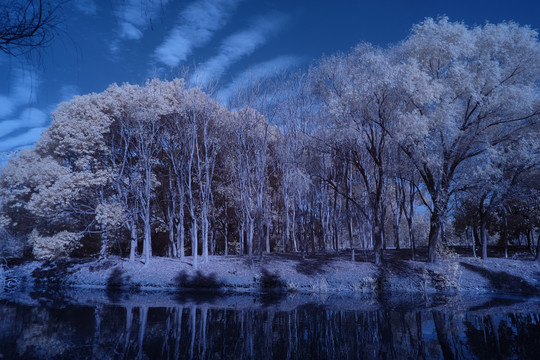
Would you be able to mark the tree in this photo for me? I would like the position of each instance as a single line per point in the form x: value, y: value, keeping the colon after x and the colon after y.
x: 360, y: 97
x: 296, y: 112
x: 95, y: 169
x: 467, y: 90
x: 56, y: 186
x: 252, y: 136
x: 27, y: 24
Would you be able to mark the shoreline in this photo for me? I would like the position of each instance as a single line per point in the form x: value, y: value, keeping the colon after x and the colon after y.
x: 284, y: 274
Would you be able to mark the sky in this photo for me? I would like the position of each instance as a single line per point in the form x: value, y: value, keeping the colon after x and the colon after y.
x: 101, y: 42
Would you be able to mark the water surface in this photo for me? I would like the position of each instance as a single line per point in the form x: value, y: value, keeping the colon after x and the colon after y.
x: 108, y: 325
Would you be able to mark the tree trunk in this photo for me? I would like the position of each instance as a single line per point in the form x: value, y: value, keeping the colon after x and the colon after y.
x: 504, y: 235
x: 147, y: 250
x: 204, y: 226
x: 250, y: 241
x: 293, y: 229
x: 530, y: 241
x: 443, y: 230
x: 260, y: 232
x: 396, y: 232
x: 104, y: 243
x: 133, y: 241
x: 226, y: 230
x: 483, y: 237
x: 287, y: 237
x: 537, y: 258
x: 412, y: 240
x: 147, y: 242
x: 312, y: 225
x: 226, y: 240
x: 268, y: 224
x: 194, y: 242
x: 242, y: 237
x: 378, y: 246
x: 180, y: 237
x: 409, y: 216
x: 172, y: 249
x: 467, y: 240
x: 433, y: 239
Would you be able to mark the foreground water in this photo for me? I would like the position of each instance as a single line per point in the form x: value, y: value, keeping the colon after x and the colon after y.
x: 108, y: 325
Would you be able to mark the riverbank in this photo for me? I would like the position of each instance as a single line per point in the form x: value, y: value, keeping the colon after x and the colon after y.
x: 284, y: 273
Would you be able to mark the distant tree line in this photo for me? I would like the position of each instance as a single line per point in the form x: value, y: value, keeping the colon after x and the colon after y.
x: 360, y: 151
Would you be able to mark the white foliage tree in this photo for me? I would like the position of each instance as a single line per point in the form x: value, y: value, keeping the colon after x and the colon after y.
x: 467, y: 90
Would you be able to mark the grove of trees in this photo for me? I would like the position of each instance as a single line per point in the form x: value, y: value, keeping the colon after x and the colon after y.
x: 432, y: 139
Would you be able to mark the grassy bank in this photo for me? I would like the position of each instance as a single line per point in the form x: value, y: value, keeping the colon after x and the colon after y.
x: 287, y: 273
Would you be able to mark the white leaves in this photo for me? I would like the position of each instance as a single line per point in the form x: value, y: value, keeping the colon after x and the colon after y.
x: 53, y: 247
x: 463, y: 83
x: 437, y: 43
x: 110, y: 214
x: 79, y: 127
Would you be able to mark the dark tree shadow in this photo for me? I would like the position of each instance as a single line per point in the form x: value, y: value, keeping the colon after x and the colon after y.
x: 271, y: 282
x: 273, y: 289
x: 502, y: 281
x: 314, y: 264
x: 52, y: 275
x: 116, y: 283
x: 197, y: 281
x: 199, y: 288
x: 50, y: 280
x: 388, y: 270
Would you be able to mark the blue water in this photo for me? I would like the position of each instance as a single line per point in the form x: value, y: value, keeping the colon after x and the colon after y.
x: 107, y: 325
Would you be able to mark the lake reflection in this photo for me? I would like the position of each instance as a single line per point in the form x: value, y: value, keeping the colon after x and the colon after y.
x: 168, y: 327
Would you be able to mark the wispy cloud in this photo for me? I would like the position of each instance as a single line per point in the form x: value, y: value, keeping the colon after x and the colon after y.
x: 20, y: 141
x: 28, y: 118
x: 134, y: 17
x: 197, y: 23
x: 260, y: 71
x: 19, y: 118
x: 87, y: 7
x: 68, y: 91
x: 238, y: 45
x: 22, y: 92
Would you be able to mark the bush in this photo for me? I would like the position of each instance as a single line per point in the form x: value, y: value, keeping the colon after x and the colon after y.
x: 53, y: 247
x: 11, y: 246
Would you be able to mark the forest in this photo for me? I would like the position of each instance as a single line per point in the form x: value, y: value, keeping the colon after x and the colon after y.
x: 430, y: 142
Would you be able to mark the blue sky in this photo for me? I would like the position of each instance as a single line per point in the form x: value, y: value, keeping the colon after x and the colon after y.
x: 115, y: 41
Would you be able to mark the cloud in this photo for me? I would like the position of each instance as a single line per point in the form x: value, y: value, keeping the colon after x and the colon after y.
x: 21, y: 141
x: 260, y: 71
x: 7, y: 105
x: 197, y: 23
x: 129, y: 31
x: 28, y: 118
x: 18, y: 117
x: 134, y: 17
x: 22, y: 92
x: 87, y: 7
x: 236, y: 46
x: 20, y: 121
x: 67, y: 92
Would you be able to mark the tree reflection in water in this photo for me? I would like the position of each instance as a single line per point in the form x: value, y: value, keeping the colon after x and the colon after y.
x: 309, y: 331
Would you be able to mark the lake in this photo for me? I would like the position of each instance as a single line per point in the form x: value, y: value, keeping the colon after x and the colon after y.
x: 109, y: 325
